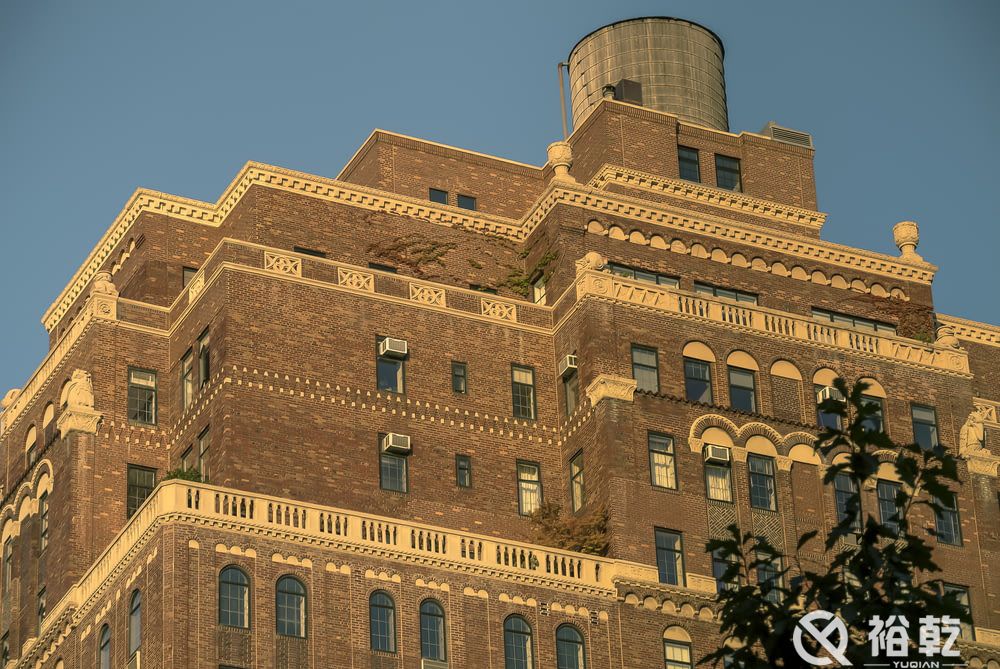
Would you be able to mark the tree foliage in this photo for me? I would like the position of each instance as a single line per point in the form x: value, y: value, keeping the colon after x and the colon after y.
x: 870, y: 568
x: 586, y: 533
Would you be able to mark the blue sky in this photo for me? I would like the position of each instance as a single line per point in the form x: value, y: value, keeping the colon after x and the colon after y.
x: 99, y: 98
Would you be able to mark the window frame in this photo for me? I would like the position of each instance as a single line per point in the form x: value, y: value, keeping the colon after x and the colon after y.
x: 513, y: 391
x: 677, y: 553
x: 104, y: 647
x: 715, y: 466
x: 467, y: 202
x: 43, y: 521
x: 306, y: 251
x: 204, y: 442
x: 511, y: 634
x: 188, y: 273
x: 442, y: 633
x: 538, y: 289
x: 577, y: 482
x: 134, y: 623
x: 720, y: 292
x: 391, y: 638
x: 695, y: 162
x: 155, y: 392
x: 841, y: 319
x: 303, y: 597
x: 464, y: 376
x: 840, y: 497
x: 690, y: 379
x: 655, y: 367
x: 755, y: 479
x: 186, y: 368
x: 400, y: 374
x: 129, y: 468
x: 639, y: 274
x: 204, y: 355
x: 461, y: 458
x: 570, y: 383
x: 721, y: 169
x: 771, y: 570
x: 880, y: 401
x: 753, y: 388
x: 882, y: 501
x: 952, y: 513
x: 402, y: 459
x: 522, y: 482
x: 243, y: 595
x: 914, y: 406
x: 669, y: 452
x: 578, y: 650
x: 968, y: 632
x: 437, y: 195
x: 677, y: 645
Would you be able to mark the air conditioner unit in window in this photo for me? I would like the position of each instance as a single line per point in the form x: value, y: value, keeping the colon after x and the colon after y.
x: 398, y: 444
x: 392, y: 348
x: 433, y: 664
x: 828, y: 393
x: 717, y: 454
x: 135, y: 662
x: 567, y: 365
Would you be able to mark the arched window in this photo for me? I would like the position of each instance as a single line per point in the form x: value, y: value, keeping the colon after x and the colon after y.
x: 234, y: 600
x: 432, y: 643
x: 104, y: 648
x: 569, y: 648
x: 134, y: 623
x: 517, y: 644
x: 382, y: 622
x: 677, y: 648
x: 291, y: 607
x: 31, y: 446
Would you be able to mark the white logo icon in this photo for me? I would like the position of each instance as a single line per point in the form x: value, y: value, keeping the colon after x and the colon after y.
x: 822, y: 637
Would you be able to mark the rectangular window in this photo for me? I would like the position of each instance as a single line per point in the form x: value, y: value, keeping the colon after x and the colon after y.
x: 204, y: 358
x: 676, y: 655
x: 538, y: 290
x: 875, y: 422
x: 308, y: 252
x: 578, y: 492
x: 769, y: 577
x: 645, y: 369
x: 725, y: 293
x: 888, y: 511
x: 827, y: 419
x: 642, y: 275
x: 742, y: 394
x: 720, y: 566
x: 187, y: 459
x: 203, y: 443
x: 467, y: 202
x: 393, y: 474
x: 924, y: 426
x: 141, y: 396
x: 844, y: 488
x: 846, y: 320
x: 571, y: 391
x: 459, y: 377
x: 141, y: 481
x: 727, y: 173
x: 43, y: 521
x: 187, y: 380
x: 390, y: 372
x: 381, y: 267
x: 662, y: 467
x: 463, y: 471
x: 438, y: 195
x: 718, y: 482
x: 522, y: 383
x: 698, y: 380
x: 961, y: 595
x: 669, y: 557
x: 762, y: 491
x: 482, y: 289
x: 187, y: 274
x: 690, y: 167
x: 41, y: 608
x: 949, y: 528
x: 529, y: 487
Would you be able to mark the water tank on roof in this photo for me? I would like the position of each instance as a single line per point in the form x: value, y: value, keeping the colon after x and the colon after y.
x: 677, y: 63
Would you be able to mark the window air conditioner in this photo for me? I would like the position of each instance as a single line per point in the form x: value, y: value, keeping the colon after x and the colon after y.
x: 135, y: 662
x: 392, y: 348
x: 398, y: 444
x: 717, y: 454
x: 433, y: 664
x: 828, y: 393
x: 567, y: 365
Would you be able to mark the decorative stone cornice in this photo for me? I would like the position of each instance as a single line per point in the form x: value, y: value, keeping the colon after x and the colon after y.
x: 980, y: 333
x: 606, y: 386
x: 689, y: 190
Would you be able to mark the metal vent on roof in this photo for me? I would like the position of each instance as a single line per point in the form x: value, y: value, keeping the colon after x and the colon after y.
x: 787, y: 135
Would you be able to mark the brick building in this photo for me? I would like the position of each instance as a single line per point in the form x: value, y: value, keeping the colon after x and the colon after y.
x: 379, y: 376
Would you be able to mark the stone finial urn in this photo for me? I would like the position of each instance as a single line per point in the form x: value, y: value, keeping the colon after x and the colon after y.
x: 906, y: 234
x: 561, y: 158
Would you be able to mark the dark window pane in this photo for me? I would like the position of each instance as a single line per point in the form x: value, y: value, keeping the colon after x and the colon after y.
x: 769, y: 577
x: 741, y: 390
x: 949, y: 528
x: 432, y: 641
x: 517, y: 645
x: 886, y: 492
x: 570, y: 652
x: 467, y: 202
x: 669, y: 557
x: 463, y: 471
x: 924, y: 426
x: 762, y: 490
x: 690, y: 168
x: 140, y: 484
x: 578, y: 493
x: 142, y: 397
x: 290, y: 607
x: 827, y: 419
x: 459, y: 377
x: 439, y: 196
x: 875, y: 422
x: 390, y: 374
x: 234, y: 602
x: 698, y: 381
x: 845, y: 488
x: 382, y: 621
x: 308, y: 252
x: 644, y: 369
x: 393, y: 472
x: 571, y: 391
x: 727, y: 173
